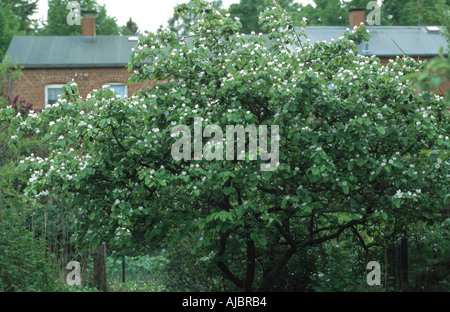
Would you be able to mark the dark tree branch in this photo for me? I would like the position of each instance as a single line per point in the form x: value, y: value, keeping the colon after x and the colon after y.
x: 222, y: 266
x: 250, y: 274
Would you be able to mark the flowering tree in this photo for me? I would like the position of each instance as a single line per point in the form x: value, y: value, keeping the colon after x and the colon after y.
x: 351, y: 133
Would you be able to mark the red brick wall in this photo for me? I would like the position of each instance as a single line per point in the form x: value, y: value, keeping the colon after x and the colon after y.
x: 88, y: 27
x: 31, y: 86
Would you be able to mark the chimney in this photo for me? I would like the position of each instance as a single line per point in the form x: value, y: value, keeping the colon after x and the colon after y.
x: 356, y: 17
x: 88, y: 28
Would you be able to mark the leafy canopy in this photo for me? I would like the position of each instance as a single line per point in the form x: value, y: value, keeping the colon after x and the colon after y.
x: 56, y: 24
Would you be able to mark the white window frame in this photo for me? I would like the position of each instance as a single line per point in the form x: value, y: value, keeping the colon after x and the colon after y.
x: 51, y: 86
x: 111, y: 84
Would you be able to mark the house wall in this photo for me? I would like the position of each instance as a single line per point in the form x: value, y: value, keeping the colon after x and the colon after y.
x: 31, y: 86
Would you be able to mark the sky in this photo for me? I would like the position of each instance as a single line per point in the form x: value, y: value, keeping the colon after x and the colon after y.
x: 147, y: 14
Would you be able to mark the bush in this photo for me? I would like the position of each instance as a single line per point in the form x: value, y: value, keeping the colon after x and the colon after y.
x: 186, y: 271
x: 24, y: 263
x: 430, y: 259
x: 142, y: 273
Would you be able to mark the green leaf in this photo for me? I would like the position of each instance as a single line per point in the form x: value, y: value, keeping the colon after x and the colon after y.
x: 350, y: 165
x: 162, y: 182
x: 435, y: 81
x: 262, y: 240
x: 228, y: 190
x: 346, y: 189
x: 381, y: 130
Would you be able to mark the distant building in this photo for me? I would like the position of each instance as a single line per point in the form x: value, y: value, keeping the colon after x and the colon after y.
x: 93, y: 61
x: 387, y: 42
x: 51, y: 61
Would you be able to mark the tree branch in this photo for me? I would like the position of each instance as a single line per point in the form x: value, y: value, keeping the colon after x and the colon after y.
x: 222, y: 266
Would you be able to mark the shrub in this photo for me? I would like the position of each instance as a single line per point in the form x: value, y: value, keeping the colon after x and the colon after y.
x: 24, y: 262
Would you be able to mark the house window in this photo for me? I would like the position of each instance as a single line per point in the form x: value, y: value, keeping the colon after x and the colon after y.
x: 119, y: 88
x: 52, y: 92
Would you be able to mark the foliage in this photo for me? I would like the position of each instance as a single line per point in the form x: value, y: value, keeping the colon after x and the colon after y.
x: 9, y: 26
x: 26, y: 147
x: 443, y: 9
x: 8, y: 69
x: 183, y: 19
x: 23, y: 10
x: 397, y: 13
x: 435, y: 75
x: 351, y: 133
x: 56, y: 24
x: 130, y: 29
x: 326, y: 13
x: 23, y: 262
x: 408, y: 12
x: 20, y: 106
x: 248, y: 12
x: 430, y: 258
x: 142, y: 273
x: 191, y: 272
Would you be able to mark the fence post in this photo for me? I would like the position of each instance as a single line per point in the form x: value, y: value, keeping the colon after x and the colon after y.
x: 100, y: 267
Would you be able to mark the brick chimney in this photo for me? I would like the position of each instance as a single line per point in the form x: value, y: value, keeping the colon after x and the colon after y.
x: 88, y: 28
x: 356, y: 17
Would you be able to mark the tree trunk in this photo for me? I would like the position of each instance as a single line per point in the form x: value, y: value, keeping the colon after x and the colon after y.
x: 270, y: 275
x: 123, y: 269
x: 391, y: 265
x: 250, y: 274
x: 404, y: 261
x: 100, y: 267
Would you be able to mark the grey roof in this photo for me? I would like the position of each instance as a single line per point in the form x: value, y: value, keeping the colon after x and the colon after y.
x: 413, y: 40
x: 114, y: 51
x: 71, y: 51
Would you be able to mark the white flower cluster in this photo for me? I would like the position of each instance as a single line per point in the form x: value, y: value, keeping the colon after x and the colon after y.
x: 408, y: 194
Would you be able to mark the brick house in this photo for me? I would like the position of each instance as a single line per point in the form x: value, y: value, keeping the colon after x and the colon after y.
x: 92, y: 61
x: 49, y: 62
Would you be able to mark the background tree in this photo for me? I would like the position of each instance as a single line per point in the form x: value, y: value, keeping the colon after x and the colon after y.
x: 393, y: 12
x: 326, y: 13
x: 23, y: 10
x: 10, y: 25
x: 444, y: 12
x: 411, y: 12
x: 56, y: 24
x: 105, y: 25
x: 130, y: 28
